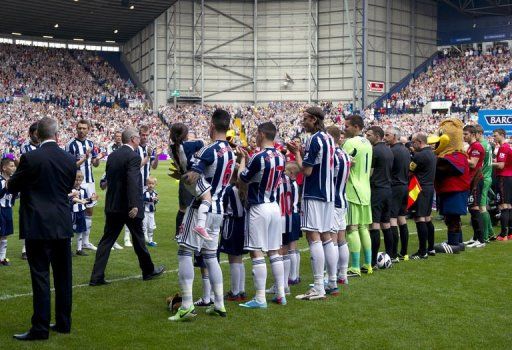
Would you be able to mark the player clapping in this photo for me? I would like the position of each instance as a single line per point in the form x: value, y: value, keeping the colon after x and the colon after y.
x: 318, y: 202
x: 263, y: 174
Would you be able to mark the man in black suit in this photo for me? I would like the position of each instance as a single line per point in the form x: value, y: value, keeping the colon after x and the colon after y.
x: 44, y: 179
x: 124, y: 206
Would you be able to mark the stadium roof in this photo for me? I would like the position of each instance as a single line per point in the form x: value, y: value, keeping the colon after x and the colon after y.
x: 479, y: 8
x: 90, y: 20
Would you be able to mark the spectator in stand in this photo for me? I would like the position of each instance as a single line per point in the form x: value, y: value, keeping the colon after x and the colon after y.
x: 469, y: 81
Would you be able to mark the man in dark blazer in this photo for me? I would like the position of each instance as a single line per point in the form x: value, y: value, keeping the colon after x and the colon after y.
x: 44, y: 179
x: 124, y: 206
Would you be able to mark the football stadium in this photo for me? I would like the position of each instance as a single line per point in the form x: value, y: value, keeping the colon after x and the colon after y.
x: 255, y: 174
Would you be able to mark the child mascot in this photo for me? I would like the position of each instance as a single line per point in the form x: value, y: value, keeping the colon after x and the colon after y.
x: 452, y: 181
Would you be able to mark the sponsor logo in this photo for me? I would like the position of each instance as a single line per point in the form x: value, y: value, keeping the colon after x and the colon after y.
x: 499, y: 119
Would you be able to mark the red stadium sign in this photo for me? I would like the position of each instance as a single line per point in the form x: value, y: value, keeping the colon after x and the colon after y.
x: 376, y: 86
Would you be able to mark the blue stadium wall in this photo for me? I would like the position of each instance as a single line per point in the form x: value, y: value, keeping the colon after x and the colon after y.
x: 454, y: 28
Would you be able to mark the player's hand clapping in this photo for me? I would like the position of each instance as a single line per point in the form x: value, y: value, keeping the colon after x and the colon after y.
x: 293, y: 147
x: 243, y: 152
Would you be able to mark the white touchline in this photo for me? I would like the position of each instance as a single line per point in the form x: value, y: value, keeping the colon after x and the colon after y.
x: 127, y: 278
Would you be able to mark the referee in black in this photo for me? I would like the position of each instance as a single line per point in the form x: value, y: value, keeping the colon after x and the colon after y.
x: 423, y: 165
x: 399, y: 193
x: 380, y: 183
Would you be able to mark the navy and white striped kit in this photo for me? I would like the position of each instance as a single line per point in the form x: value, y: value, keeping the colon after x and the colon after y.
x: 78, y: 149
x: 149, y: 201
x: 320, y: 156
x: 217, y: 163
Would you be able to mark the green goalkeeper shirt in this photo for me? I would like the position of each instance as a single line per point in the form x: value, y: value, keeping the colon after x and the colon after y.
x: 358, y: 185
x: 487, y: 164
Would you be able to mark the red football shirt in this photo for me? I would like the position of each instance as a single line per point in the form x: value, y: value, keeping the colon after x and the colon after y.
x: 476, y: 150
x: 504, y: 156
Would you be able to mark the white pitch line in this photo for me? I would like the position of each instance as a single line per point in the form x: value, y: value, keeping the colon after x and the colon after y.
x: 128, y: 278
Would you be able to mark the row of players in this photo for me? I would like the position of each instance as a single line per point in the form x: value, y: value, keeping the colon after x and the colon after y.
x: 268, y: 188
x: 360, y: 181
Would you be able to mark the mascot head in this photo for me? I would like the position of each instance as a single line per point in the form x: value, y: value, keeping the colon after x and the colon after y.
x: 449, y: 139
x: 230, y: 135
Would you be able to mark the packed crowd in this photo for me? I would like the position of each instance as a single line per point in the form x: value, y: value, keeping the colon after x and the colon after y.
x: 470, y: 80
x: 68, y: 86
x: 119, y: 89
x: 47, y: 75
x: 62, y: 77
x: 287, y: 116
x: 105, y: 121
x: 284, y: 114
x: 17, y: 117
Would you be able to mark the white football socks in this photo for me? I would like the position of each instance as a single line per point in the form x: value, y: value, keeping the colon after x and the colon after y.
x: 3, y: 249
x: 88, y: 225
x: 331, y: 262
x: 241, y: 280
x: 276, y: 263
x: 186, y: 276
x: 79, y: 241
x: 127, y: 234
x: 215, y: 273
x: 317, y: 264
x: 343, y: 260
x: 297, y: 271
x: 235, y: 277
x: 293, y: 265
x: 259, y: 273
x: 287, y: 266
x: 207, y: 288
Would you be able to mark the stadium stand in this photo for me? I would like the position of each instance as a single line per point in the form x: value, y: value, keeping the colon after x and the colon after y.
x: 67, y: 85
x: 469, y: 79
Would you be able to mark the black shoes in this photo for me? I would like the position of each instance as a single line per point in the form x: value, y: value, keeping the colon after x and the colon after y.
x: 54, y: 328
x: 29, y: 336
x: 156, y: 272
x: 98, y: 283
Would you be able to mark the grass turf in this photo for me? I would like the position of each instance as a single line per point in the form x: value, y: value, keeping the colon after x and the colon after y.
x: 448, y: 301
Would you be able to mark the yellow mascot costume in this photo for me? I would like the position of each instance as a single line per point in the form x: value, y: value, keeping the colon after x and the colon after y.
x: 452, y: 181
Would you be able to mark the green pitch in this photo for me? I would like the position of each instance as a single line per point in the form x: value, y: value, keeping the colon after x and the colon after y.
x: 449, y: 301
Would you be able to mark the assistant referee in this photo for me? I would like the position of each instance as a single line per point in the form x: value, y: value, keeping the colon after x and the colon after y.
x: 423, y: 165
x: 399, y: 193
